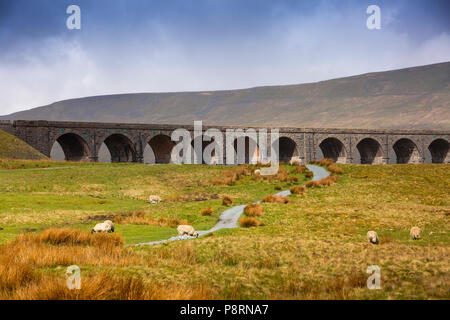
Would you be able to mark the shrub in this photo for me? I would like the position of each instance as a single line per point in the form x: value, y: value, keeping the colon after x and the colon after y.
x: 139, y: 218
x: 278, y: 188
x: 309, y: 174
x: 72, y: 237
x: 207, y: 211
x: 299, y: 169
x: 229, y: 177
x: 227, y: 201
x: 248, y: 222
x: 298, y: 190
x: 330, y: 165
x: 276, y: 199
x: 313, y: 184
x: 292, y: 180
x: 254, y: 210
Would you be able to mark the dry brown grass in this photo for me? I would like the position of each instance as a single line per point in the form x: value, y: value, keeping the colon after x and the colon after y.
x: 330, y: 165
x: 276, y: 199
x: 22, y: 258
x: 300, y: 169
x: 107, y: 286
x: 298, y: 190
x: 278, y: 188
x: 72, y: 237
x: 254, y: 210
x: 207, y: 211
x: 313, y: 184
x: 248, y: 222
x: 139, y: 218
x: 309, y: 174
x: 336, y: 288
x: 227, y: 201
x: 197, y: 196
x: 230, y: 176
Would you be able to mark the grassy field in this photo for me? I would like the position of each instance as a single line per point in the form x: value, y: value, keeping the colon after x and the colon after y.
x: 313, y: 247
x: 14, y: 148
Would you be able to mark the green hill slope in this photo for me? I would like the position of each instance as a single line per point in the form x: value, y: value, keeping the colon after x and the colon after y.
x: 14, y: 148
x: 410, y: 98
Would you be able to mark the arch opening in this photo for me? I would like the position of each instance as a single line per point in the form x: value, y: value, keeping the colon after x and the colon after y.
x: 120, y: 148
x: 287, y: 150
x: 162, y: 147
x: 406, y: 151
x: 439, y: 151
x: 70, y: 147
x: 333, y: 148
x: 251, y: 154
x: 370, y: 151
x: 149, y: 155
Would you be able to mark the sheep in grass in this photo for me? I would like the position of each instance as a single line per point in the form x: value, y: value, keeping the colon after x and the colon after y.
x: 154, y: 199
x: 415, y: 233
x: 189, y: 230
x: 106, y: 226
x: 372, y: 237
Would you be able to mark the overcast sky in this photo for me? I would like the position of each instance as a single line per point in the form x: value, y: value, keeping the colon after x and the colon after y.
x: 129, y: 46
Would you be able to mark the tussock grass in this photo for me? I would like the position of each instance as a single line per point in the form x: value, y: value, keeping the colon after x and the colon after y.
x: 231, y: 176
x: 248, y: 222
x: 330, y: 165
x: 227, y: 201
x: 107, y: 286
x: 300, y: 169
x: 276, y: 199
x: 254, y: 210
x: 298, y: 190
x: 309, y: 174
x: 69, y: 236
x: 207, y: 211
x: 139, y: 218
x: 313, y: 184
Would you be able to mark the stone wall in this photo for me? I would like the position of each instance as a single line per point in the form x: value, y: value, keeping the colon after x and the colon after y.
x: 126, y: 142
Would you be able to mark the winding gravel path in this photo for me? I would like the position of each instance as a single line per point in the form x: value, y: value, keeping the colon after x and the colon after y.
x: 229, y: 218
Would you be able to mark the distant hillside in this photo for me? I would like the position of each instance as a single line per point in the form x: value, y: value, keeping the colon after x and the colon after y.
x: 14, y: 148
x: 410, y: 98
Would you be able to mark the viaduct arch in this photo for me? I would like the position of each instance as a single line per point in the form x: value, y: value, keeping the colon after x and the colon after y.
x: 81, y: 141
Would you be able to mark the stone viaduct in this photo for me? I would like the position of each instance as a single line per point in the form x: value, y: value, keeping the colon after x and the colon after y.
x: 81, y: 141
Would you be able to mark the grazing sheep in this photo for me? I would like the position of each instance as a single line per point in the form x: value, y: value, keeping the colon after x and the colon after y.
x: 106, y: 226
x: 154, y: 199
x: 257, y: 172
x: 372, y: 237
x: 189, y: 230
x: 415, y: 233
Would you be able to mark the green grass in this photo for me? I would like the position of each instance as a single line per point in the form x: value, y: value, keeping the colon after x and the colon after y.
x: 66, y: 195
x: 14, y: 148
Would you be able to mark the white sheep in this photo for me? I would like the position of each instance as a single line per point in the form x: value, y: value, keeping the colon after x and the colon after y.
x: 154, y: 199
x: 189, y: 230
x: 257, y: 172
x: 372, y: 237
x: 106, y: 226
x: 415, y: 233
